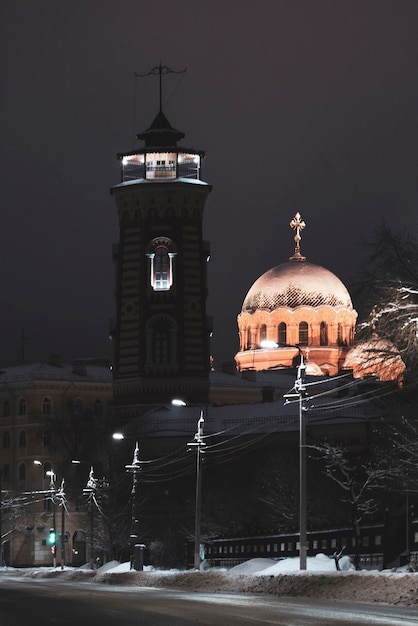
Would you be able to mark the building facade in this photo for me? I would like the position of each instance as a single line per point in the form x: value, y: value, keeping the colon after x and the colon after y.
x: 52, y: 414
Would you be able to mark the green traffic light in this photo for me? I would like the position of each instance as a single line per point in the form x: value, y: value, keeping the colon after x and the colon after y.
x: 52, y: 537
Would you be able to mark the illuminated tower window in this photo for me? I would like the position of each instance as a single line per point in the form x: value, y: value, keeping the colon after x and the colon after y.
x: 323, y: 334
x: 161, y: 255
x: 161, y: 269
x: 263, y: 332
x: 303, y: 334
x: 282, y: 333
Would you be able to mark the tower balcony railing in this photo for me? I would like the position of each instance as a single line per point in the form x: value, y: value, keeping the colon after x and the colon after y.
x: 134, y: 171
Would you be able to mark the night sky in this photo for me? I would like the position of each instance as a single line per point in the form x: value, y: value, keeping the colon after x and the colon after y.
x: 300, y: 105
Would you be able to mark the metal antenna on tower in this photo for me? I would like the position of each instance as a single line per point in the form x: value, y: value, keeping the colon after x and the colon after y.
x: 160, y: 70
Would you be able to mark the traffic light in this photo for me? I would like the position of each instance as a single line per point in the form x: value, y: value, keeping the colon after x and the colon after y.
x: 52, y: 537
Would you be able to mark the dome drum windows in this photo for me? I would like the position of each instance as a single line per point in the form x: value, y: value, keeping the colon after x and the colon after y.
x: 323, y: 334
x: 303, y: 334
x: 282, y: 334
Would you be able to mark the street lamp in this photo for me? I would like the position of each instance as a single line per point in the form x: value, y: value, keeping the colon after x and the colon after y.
x: 1, y: 529
x: 199, y: 444
x: 90, y: 491
x: 51, y: 475
x: 300, y: 389
x: 137, y: 549
x: 61, y: 496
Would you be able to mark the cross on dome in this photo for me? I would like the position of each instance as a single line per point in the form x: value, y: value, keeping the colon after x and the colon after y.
x: 297, y: 224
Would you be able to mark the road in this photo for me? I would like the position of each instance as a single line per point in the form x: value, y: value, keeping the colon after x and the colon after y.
x: 46, y: 602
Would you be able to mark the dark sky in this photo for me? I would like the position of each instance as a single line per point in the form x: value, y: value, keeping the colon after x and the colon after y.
x: 300, y: 105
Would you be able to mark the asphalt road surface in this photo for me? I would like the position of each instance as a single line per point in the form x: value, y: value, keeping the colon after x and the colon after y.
x: 27, y: 602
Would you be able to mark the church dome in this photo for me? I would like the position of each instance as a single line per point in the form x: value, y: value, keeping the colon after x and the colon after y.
x: 294, y: 284
x: 296, y: 306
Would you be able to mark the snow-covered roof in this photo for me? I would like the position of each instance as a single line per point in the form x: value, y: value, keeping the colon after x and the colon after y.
x: 46, y: 371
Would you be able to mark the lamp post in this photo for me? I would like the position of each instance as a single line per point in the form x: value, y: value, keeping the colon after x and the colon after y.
x: 61, y: 496
x: 90, y: 490
x: 300, y: 389
x: 1, y: 529
x: 51, y: 475
x: 137, y: 549
x: 199, y: 444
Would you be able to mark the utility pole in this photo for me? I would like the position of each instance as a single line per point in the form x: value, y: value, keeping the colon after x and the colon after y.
x: 61, y: 495
x: 90, y: 490
x: 199, y: 444
x: 1, y: 529
x: 137, y: 549
x: 300, y: 391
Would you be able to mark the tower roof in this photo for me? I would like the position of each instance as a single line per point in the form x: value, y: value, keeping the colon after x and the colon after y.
x: 161, y: 133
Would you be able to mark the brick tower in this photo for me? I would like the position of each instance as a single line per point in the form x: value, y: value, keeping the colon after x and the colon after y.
x: 161, y: 332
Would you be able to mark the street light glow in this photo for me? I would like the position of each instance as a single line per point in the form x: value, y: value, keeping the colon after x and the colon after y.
x: 178, y: 402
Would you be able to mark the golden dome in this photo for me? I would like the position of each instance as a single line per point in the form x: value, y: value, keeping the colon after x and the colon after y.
x: 294, y: 284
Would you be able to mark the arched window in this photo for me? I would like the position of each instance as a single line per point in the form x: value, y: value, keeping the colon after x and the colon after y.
x: 77, y: 407
x: 282, y: 333
x: 46, y: 406
x: 6, y: 408
x: 263, y: 332
x: 161, y: 254
x: 46, y: 438
x: 303, y: 334
x: 22, y: 406
x: 22, y: 472
x: 340, y: 334
x: 323, y: 334
x: 248, y: 346
x: 6, y: 472
x: 22, y: 439
x: 161, y: 268
x: 161, y: 343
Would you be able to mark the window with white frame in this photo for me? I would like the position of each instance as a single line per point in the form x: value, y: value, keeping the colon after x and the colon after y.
x: 161, y: 254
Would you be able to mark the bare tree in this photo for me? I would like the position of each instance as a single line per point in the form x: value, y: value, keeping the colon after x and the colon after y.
x: 388, y: 292
x: 361, y: 481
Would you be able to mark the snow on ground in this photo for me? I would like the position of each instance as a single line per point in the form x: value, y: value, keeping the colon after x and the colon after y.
x: 270, y: 567
x: 261, y: 576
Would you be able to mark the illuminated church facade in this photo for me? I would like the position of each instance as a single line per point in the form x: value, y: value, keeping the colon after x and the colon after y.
x: 302, y: 308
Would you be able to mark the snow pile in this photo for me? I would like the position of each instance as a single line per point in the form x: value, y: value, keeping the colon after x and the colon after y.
x: 265, y: 576
x: 270, y: 567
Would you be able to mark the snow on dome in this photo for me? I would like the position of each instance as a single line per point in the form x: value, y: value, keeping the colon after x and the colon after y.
x: 294, y: 284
